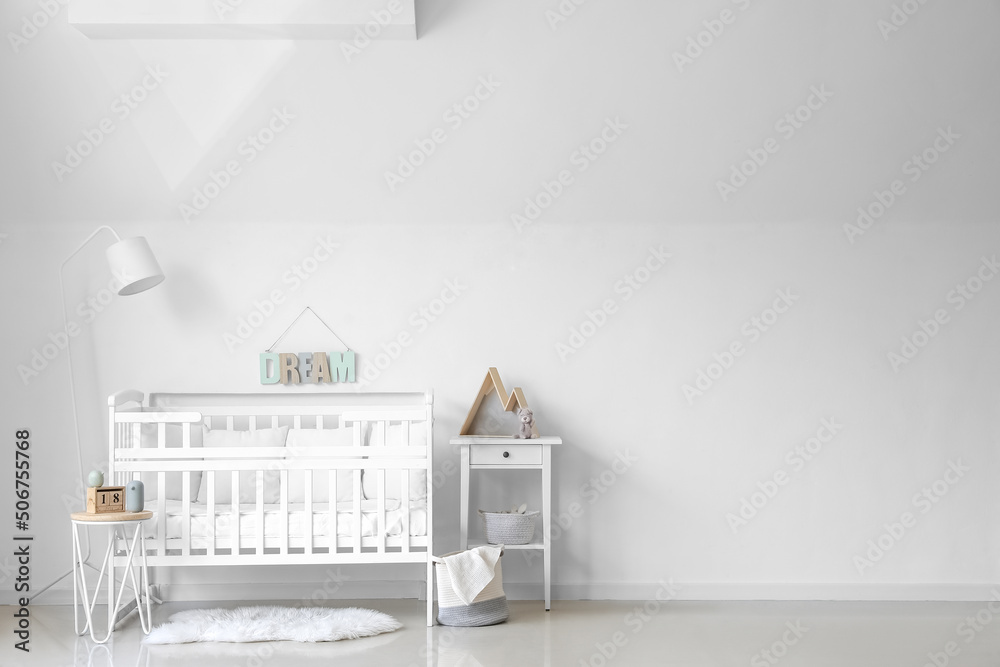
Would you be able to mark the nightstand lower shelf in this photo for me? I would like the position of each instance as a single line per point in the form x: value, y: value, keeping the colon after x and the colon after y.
x: 533, y: 545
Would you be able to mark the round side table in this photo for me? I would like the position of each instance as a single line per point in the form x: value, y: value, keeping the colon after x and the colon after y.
x: 118, y: 523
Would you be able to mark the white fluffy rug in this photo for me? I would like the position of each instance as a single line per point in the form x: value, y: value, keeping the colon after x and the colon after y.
x: 266, y: 624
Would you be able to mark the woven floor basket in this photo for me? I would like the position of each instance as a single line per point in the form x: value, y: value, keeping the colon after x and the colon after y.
x: 509, y: 528
x: 489, y: 607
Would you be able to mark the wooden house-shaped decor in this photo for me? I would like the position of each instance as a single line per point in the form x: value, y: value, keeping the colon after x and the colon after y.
x: 510, y: 402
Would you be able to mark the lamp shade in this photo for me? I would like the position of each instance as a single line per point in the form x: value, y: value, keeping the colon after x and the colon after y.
x: 132, y: 262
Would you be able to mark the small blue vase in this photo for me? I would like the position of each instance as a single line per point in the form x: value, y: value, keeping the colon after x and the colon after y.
x: 134, y: 496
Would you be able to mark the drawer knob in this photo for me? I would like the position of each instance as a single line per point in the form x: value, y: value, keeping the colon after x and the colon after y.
x: 506, y: 455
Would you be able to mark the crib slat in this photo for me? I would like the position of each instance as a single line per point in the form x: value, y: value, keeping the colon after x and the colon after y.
x: 404, y: 507
x: 161, y: 435
x: 332, y: 504
x: 357, y: 433
x: 357, y: 511
x: 260, y: 513
x: 210, y: 514
x: 186, y: 446
x: 229, y: 422
x: 235, y: 507
x: 428, y: 491
x: 274, y: 421
x: 319, y: 421
x: 115, y: 434
x: 283, y: 547
x: 161, y: 513
x: 116, y: 437
x: 378, y: 441
x: 253, y: 422
x: 309, y: 511
x: 186, y: 513
x: 404, y: 492
x: 134, y: 433
x: 380, y: 523
x: 297, y: 421
x: 112, y: 474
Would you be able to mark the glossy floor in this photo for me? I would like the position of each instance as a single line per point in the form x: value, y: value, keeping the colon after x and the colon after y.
x: 599, y: 634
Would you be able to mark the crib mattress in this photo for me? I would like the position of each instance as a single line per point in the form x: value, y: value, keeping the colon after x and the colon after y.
x: 297, y: 519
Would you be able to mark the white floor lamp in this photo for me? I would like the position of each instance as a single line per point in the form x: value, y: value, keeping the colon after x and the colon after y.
x: 132, y: 262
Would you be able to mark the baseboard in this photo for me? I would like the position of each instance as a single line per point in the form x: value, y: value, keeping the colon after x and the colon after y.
x: 53, y: 596
x: 302, y: 592
x: 695, y: 591
x: 692, y: 591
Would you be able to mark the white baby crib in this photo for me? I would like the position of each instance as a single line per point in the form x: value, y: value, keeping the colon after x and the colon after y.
x: 280, y: 479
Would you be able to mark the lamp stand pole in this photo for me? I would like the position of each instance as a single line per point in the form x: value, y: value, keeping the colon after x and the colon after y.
x: 72, y: 388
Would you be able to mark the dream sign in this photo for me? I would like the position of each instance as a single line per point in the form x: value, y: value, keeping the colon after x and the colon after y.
x: 306, y: 367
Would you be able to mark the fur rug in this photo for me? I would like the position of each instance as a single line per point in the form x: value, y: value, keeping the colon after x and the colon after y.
x: 266, y: 624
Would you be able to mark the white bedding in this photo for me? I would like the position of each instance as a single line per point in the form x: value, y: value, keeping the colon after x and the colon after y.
x: 296, y: 519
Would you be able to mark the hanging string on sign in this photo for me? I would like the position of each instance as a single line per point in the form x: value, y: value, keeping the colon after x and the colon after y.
x: 307, y: 367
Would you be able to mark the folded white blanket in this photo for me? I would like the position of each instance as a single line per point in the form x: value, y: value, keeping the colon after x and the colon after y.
x: 471, y: 571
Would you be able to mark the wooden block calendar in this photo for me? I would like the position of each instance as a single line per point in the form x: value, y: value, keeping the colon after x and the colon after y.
x: 104, y: 499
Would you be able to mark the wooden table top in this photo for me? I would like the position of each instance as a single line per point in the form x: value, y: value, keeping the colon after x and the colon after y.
x: 111, y: 516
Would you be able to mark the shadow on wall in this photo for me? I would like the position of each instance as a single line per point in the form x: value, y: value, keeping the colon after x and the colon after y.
x: 430, y: 13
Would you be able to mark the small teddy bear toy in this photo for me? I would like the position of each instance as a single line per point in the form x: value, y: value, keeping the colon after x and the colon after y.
x: 527, y: 419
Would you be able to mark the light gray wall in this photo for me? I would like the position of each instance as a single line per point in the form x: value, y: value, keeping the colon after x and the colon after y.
x: 622, y: 393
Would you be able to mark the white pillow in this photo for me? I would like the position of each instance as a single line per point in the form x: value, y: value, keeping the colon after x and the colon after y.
x: 173, y: 437
x: 394, y: 478
x: 326, y: 437
x: 268, y: 437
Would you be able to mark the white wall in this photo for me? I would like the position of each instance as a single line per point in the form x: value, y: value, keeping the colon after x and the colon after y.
x: 666, y: 516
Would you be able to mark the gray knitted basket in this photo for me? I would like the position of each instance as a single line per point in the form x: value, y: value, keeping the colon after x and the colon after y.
x: 488, y: 608
x: 509, y: 528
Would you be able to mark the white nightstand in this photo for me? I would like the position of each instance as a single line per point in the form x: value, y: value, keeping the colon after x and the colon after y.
x: 506, y: 453
x: 117, y: 523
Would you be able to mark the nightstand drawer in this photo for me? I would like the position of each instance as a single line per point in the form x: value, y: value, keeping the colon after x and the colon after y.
x: 505, y: 455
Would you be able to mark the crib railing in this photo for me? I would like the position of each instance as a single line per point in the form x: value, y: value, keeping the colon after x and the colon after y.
x: 237, y: 533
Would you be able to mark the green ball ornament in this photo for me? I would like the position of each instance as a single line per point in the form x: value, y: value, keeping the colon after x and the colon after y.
x: 95, y: 478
